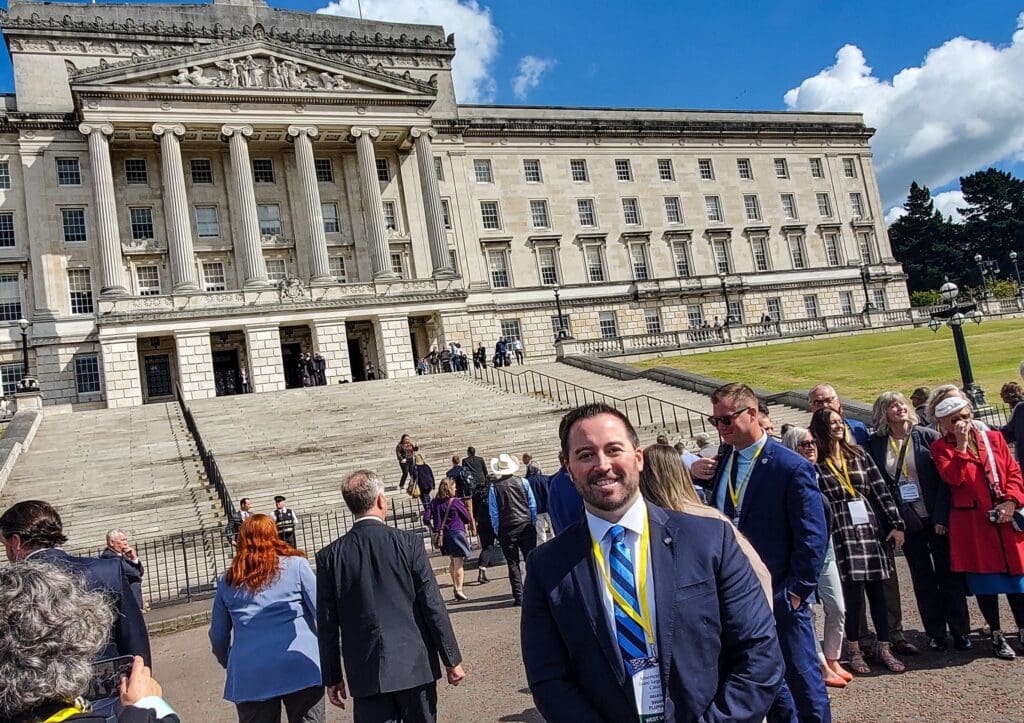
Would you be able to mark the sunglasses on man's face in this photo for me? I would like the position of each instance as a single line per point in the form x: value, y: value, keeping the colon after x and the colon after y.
x: 726, y: 420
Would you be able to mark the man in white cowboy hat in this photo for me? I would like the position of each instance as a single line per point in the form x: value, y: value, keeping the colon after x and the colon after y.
x: 513, y: 511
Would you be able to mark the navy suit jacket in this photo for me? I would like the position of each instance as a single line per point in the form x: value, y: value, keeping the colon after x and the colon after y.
x: 719, y: 655
x: 783, y: 516
x: 129, y: 635
x: 859, y: 431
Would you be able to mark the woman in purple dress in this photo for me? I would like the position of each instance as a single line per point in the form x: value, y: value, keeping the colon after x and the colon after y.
x: 447, y: 516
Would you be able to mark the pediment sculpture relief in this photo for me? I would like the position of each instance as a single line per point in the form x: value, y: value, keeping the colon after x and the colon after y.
x: 260, y: 72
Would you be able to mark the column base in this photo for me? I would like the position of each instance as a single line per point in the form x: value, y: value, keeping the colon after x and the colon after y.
x: 257, y: 284
x: 385, y: 276
x: 322, y: 281
x: 446, y: 273
x: 114, y: 291
x: 185, y: 288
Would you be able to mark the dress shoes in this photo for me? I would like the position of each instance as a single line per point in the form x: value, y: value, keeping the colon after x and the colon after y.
x: 904, y: 647
x: 1000, y: 648
x: 938, y: 644
x: 962, y: 642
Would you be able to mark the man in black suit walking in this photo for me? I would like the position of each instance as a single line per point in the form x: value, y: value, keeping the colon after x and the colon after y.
x: 379, y: 609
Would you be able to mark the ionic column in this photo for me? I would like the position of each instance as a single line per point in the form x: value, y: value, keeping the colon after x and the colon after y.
x: 380, y: 255
x: 248, y: 245
x: 179, y: 227
x: 321, y: 268
x: 439, y: 257
x: 112, y: 273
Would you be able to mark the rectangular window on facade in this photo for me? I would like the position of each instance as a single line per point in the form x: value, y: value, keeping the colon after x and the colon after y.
x: 833, y: 254
x: 73, y: 223
x: 752, y: 207
x: 608, y: 324
x: 446, y: 213
x: 856, y: 205
x: 880, y: 302
x: 824, y: 205
x: 324, y: 170
x: 497, y: 261
x: 453, y: 259
x: 720, y: 248
x: 482, y: 171
x: 652, y: 320
x: 796, y: 251
x: 673, y: 211
x: 631, y: 211
x: 849, y: 168
x: 811, y: 306
x: 560, y: 327
x: 705, y: 169
x: 80, y: 289
x: 638, y: 259
x: 213, y: 276
x: 781, y: 168
x: 595, y: 263
x: 789, y: 206
x: 7, y: 229
x: 277, y: 269
x: 695, y: 315
x: 665, y: 170
x: 762, y: 262
x: 817, y: 169
x: 5, y: 175
x: 87, y: 373
x: 270, y: 219
x: 510, y: 329
x: 713, y: 206
x: 585, y: 206
x: 744, y: 169
x: 681, y: 258
x: 135, y: 171
x: 775, y: 308
x: 263, y: 170
x: 201, y: 170
x: 10, y: 375
x: 148, y: 280
x: 864, y: 245
x: 142, y: 223
x: 539, y: 214
x: 578, y: 169
x: 338, y: 270
x: 68, y: 172
x: 735, y: 312
x: 490, y: 216
x: 383, y: 170
x: 207, y: 222
x: 623, y: 170
x: 390, y: 215
x: 10, y: 297
x: 846, y: 302
x: 548, y: 264
x: 531, y: 170
x: 398, y: 264
x: 439, y: 168
x: 330, y: 213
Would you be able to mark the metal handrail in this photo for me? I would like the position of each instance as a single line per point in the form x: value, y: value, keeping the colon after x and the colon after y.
x: 209, y: 463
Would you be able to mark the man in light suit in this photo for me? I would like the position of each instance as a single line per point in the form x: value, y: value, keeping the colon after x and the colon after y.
x: 639, y: 611
x: 772, y: 494
x: 379, y: 609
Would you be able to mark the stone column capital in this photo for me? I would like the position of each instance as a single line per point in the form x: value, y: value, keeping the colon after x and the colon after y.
x: 227, y: 130
x: 309, y: 131
x: 103, y: 127
x: 419, y: 132
x: 174, y: 129
x: 370, y: 131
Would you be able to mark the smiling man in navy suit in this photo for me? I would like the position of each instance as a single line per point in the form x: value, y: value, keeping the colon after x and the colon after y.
x: 638, y: 613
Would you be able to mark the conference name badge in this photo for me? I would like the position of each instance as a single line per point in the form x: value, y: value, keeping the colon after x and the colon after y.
x: 650, y: 699
x: 909, y: 492
x: 858, y: 512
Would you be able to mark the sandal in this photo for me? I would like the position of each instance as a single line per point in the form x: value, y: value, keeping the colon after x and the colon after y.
x: 858, y: 664
x: 889, y: 660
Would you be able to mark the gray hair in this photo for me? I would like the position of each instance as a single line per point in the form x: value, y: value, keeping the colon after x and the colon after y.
x: 54, y: 627
x: 702, y: 438
x: 938, y: 394
x: 361, y: 490
x: 882, y: 404
x: 794, y: 436
x: 112, y: 535
x: 816, y: 387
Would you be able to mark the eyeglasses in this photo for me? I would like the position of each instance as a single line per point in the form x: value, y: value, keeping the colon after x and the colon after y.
x: 822, y: 401
x: 810, y: 444
x: 726, y: 421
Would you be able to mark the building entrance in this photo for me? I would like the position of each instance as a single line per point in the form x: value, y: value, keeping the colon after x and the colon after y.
x: 158, y: 376
x: 357, y: 364
x: 226, y: 378
x: 290, y: 355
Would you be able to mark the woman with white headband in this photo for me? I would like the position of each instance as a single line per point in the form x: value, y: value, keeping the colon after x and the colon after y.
x: 986, y: 525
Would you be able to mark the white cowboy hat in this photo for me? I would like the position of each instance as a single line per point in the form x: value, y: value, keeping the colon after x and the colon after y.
x: 504, y: 465
x: 949, y: 406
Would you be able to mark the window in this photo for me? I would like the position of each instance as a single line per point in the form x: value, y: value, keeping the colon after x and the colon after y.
x: 207, y: 222
x: 262, y: 170
x: 324, y: 170
x: 752, y: 207
x: 734, y: 312
x: 338, y: 270
x: 846, y: 302
x: 482, y: 169
x: 713, y: 205
x: 213, y: 276
x: 585, y: 206
x: 623, y: 170
x: 781, y: 168
x: 383, y: 170
x: 817, y: 170
x: 695, y: 315
x: 497, y: 261
x: 329, y: 211
x: 87, y: 373
x: 673, y: 211
x: 796, y: 251
x: 201, y: 170
x: 135, y: 171
x: 446, y: 213
x: 270, y: 219
x: 595, y: 263
x: 849, y: 168
x: 833, y: 254
x: 439, y: 168
x: 762, y: 261
x: 277, y: 269
x: 148, y: 280
x: 548, y: 263
x: 705, y: 169
x: 539, y: 214
x: 510, y: 329
x: 681, y: 258
x: 879, y: 299
x: 10, y: 297
x: 73, y: 222
x: 856, y: 205
x: 5, y: 175
x: 142, y: 223
x: 652, y: 320
x: 490, y: 216
x: 578, y: 169
x: 824, y: 205
x: 68, y: 172
x: 788, y: 206
x: 744, y: 168
x: 398, y: 264
x: 720, y: 248
x: 631, y: 211
x: 609, y: 327
x: 865, y: 246
x: 453, y: 260
x: 10, y: 375
x: 775, y: 308
x: 560, y: 327
x: 80, y: 288
x: 6, y: 229
x: 638, y: 259
x: 811, y: 306
x: 531, y: 171
x: 665, y: 170
x: 390, y: 215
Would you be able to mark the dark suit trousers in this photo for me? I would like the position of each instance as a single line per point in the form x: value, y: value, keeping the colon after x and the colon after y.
x: 940, y: 593
x: 803, y: 696
x: 521, y: 540
x: 415, y: 705
x: 893, y: 610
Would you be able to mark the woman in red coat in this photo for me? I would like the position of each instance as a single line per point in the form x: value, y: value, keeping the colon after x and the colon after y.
x: 987, y: 492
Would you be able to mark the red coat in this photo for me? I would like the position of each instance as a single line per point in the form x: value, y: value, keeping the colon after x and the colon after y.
x: 977, y: 545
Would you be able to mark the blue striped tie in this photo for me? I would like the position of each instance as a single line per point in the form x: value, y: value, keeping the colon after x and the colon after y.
x: 628, y: 632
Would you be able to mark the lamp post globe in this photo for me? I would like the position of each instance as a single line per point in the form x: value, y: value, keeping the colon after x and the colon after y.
x: 977, y: 258
x: 949, y: 291
x: 934, y: 324
x: 977, y: 316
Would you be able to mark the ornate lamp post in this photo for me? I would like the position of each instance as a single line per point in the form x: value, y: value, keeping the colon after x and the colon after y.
x: 26, y: 383
x: 1016, y: 272
x: 988, y: 268
x: 865, y: 277
x: 954, y: 317
x: 560, y: 333
x: 725, y: 293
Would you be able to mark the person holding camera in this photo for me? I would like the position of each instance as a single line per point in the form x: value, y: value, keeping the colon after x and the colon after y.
x: 986, y: 526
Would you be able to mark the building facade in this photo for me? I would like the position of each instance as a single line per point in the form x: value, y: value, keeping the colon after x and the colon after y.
x: 193, y: 196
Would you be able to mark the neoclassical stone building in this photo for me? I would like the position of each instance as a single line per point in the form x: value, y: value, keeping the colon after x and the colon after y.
x: 194, y: 195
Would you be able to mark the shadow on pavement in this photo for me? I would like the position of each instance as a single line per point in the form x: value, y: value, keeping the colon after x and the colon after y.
x: 530, y: 715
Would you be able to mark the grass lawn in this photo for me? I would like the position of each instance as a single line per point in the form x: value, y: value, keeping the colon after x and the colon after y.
x: 861, y: 367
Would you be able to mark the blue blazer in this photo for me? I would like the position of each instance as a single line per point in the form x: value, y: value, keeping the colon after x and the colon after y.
x: 783, y: 516
x: 719, y: 655
x: 565, y: 506
x: 859, y: 431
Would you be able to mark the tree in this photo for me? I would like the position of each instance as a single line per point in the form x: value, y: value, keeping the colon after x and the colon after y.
x: 994, y: 215
x: 928, y: 245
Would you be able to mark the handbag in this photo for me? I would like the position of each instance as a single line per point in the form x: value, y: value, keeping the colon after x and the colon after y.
x: 438, y: 538
x: 413, y: 490
x: 912, y: 521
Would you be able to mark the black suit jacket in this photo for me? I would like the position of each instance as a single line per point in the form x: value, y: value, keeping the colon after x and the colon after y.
x: 129, y: 634
x: 379, y: 609
x: 934, y: 490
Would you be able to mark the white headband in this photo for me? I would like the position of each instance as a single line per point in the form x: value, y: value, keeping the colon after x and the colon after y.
x: 948, y: 406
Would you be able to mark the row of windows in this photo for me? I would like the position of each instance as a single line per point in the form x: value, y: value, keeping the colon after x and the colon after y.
x: 87, y: 374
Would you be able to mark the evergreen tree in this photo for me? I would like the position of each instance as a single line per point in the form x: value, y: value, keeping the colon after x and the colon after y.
x: 928, y: 245
x: 994, y: 217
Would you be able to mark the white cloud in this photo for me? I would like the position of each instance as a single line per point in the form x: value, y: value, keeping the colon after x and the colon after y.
x: 946, y: 202
x: 476, y: 37
x: 530, y: 70
x: 959, y: 111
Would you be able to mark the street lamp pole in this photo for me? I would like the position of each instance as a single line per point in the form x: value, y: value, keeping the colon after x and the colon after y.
x: 1016, y: 272
x: 865, y: 276
x: 560, y: 332
x: 955, y: 317
x: 725, y: 293
x: 26, y: 383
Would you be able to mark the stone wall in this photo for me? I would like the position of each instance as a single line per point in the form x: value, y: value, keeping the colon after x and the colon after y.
x: 331, y: 341
x: 121, y: 371
x: 393, y: 348
x: 264, y: 345
x: 195, y: 363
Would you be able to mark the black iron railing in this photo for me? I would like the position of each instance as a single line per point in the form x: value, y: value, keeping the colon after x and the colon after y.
x: 209, y: 463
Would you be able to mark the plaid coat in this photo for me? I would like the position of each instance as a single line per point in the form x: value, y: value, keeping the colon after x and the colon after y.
x: 860, y: 552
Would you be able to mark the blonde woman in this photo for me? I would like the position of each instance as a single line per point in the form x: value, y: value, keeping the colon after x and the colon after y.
x: 448, y: 517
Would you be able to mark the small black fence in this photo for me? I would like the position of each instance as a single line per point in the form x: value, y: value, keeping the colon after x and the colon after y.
x: 209, y: 461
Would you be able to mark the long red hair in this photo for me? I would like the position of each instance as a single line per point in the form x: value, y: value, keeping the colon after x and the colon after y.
x: 257, y: 553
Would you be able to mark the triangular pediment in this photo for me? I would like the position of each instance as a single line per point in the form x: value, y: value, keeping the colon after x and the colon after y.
x: 254, y: 66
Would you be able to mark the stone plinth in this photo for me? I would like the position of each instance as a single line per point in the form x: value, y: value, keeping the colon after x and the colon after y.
x: 120, y: 358
x: 266, y: 369
x: 393, y: 347
x: 331, y: 341
x: 195, y: 364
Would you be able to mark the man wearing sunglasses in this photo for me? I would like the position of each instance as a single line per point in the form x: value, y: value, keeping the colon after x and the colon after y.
x: 823, y: 396
x: 771, y: 492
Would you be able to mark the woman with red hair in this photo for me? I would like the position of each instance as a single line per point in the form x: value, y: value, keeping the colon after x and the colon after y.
x: 263, y: 629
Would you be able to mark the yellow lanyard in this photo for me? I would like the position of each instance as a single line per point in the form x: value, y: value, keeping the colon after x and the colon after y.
x: 844, y: 476
x: 63, y: 714
x: 644, y: 618
x: 734, y: 494
x: 896, y: 449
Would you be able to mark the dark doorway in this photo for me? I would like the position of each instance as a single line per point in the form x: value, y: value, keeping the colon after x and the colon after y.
x: 356, y: 361
x: 225, y: 373
x: 158, y: 375
x: 290, y: 355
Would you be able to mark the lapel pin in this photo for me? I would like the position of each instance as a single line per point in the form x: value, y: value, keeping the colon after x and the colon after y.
x: 668, y: 540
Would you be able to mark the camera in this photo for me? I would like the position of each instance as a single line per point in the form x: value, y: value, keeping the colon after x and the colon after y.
x: 993, y: 516
x: 106, y: 677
